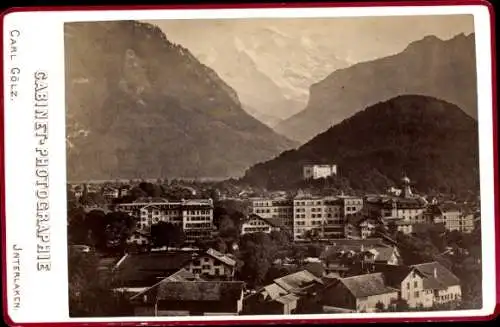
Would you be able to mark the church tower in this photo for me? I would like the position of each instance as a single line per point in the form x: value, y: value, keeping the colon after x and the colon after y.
x: 406, y: 187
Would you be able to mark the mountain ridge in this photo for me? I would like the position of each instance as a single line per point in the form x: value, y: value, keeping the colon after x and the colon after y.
x: 159, y: 111
x: 444, y: 69
x: 432, y: 140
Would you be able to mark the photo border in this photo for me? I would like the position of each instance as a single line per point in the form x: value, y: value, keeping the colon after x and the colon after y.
x: 229, y: 321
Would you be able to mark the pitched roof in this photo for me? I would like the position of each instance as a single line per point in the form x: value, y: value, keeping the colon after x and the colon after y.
x: 144, y: 269
x: 367, y: 285
x: 338, y: 245
x: 289, y: 298
x: 272, y: 291
x: 297, y: 281
x: 200, y: 291
x: 442, y: 278
x: 221, y: 257
x: 383, y: 253
x: 182, y: 275
x: 315, y: 268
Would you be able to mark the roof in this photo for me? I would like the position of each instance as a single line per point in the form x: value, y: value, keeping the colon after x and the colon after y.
x: 389, y: 200
x: 182, y: 275
x: 443, y: 278
x: 272, y: 291
x: 351, y: 245
x: 356, y: 218
x: 221, y: 257
x: 297, y: 281
x: 144, y: 269
x: 383, y: 253
x: 289, y: 298
x: 315, y: 268
x: 367, y: 285
x: 200, y: 291
x: 330, y: 309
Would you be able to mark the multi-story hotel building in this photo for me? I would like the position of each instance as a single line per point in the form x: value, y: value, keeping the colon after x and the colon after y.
x: 326, y: 215
x: 194, y: 216
x: 404, y: 211
x: 452, y: 216
x: 275, y: 208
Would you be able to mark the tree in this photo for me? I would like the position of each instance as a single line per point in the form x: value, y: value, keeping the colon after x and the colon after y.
x: 227, y: 228
x: 257, y: 253
x: 220, y: 245
x: 77, y: 229
x: 90, y: 293
x: 95, y: 225
x: 314, y: 250
x: 167, y: 234
x: 312, y: 234
x: 398, y: 305
x: 379, y: 307
x: 119, y: 228
x: 150, y: 189
x: 280, y: 238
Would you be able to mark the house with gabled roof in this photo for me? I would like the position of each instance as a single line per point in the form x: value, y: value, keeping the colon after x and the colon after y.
x: 142, y: 300
x: 385, y: 255
x: 198, y: 298
x: 213, y: 264
x: 259, y: 224
x: 360, y: 293
x: 135, y: 272
x: 286, y: 295
x: 440, y: 282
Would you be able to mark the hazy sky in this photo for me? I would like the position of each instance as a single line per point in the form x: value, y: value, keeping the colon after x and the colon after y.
x: 352, y: 39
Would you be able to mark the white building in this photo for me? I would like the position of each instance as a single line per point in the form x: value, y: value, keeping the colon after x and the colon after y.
x: 319, y: 171
x: 276, y: 208
x: 256, y: 224
x: 194, y: 216
x: 403, y: 211
x: 326, y: 215
x: 213, y: 264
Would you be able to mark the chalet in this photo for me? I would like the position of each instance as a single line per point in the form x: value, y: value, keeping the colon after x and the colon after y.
x: 360, y: 293
x: 385, y: 255
x: 256, y: 223
x: 439, y: 283
x: 212, y: 263
x: 408, y: 281
x: 286, y: 295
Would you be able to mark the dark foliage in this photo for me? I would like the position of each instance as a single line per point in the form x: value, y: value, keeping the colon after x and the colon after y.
x: 434, y: 141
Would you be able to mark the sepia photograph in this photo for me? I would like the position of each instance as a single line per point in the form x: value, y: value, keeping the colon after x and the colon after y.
x: 272, y: 166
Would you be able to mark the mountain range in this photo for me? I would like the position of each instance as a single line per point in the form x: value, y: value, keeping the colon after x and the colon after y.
x: 269, y: 63
x: 139, y: 105
x: 432, y: 140
x: 445, y: 69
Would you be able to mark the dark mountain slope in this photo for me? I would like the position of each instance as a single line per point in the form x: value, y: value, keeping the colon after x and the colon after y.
x: 433, y: 141
x: 140, y: 106
x: 432, y: 67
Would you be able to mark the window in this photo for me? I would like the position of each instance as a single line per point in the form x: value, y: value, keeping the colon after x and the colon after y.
x: 408, y: 285
x: 415, y: 284
x: 417, y: 294
x: 217, y: 271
